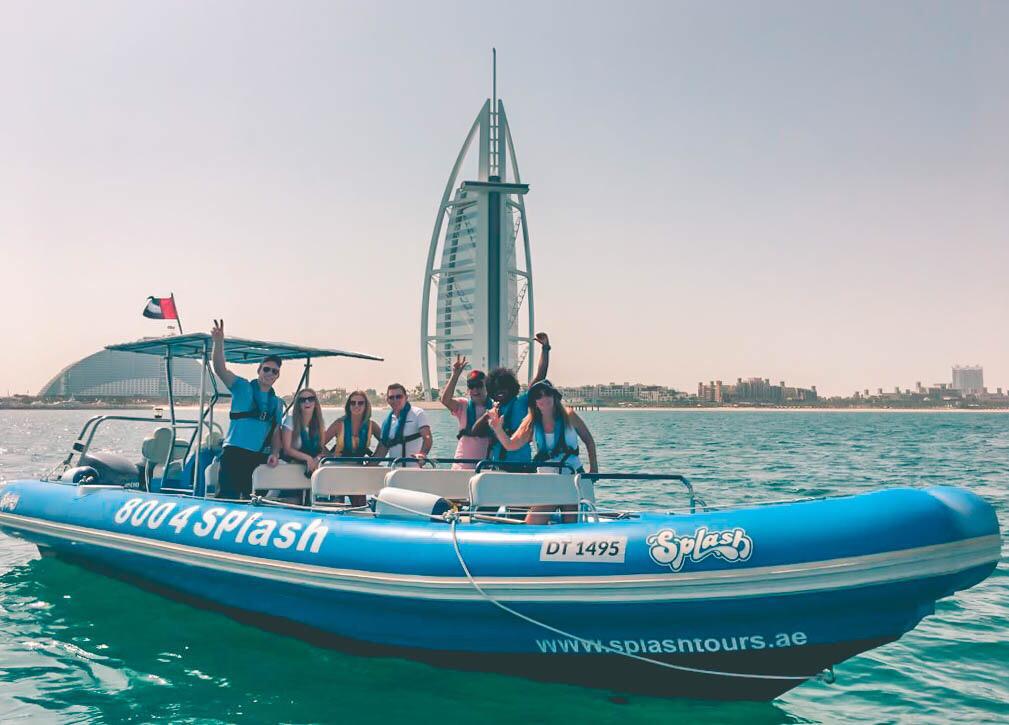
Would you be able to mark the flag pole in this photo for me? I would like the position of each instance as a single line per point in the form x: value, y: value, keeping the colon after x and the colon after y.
x: 178, y: 319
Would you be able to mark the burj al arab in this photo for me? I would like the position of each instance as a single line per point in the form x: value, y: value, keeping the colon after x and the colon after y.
x: 478, y: 281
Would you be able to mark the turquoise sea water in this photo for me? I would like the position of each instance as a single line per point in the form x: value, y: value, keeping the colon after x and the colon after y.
x: 78, y: 647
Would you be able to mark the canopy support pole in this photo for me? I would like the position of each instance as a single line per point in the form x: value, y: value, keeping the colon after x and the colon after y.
x: 199, y: 426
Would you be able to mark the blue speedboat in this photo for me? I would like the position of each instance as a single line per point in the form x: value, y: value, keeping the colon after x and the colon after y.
x: 735, y: 603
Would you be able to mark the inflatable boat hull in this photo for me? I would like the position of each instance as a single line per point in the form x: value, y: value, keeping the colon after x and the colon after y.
x: 758, y: 599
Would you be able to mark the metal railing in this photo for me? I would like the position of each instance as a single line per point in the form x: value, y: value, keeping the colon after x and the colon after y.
x: 86, y: 437
x: 694, y: 500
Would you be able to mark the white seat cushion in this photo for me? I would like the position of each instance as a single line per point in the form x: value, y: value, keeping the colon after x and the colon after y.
x: 447, y: 484
x: 523, y: 489
x: 283, y: 477
x: 156, y: 447
x: 348, y: 480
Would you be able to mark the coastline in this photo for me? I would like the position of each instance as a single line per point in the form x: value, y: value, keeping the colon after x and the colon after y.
x: 434, y: 405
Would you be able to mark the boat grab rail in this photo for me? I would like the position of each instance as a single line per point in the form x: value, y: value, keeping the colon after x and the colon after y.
x: 694, y: 500
x: 339, y: 460
x: 434, y: 461
x: 398, y: 461
x: 81, y: 446
x: 521, y: 466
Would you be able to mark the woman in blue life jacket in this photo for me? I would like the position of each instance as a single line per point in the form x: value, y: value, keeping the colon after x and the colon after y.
x: 303, y: 430
x: 355, y: 431
x: 555, y: 428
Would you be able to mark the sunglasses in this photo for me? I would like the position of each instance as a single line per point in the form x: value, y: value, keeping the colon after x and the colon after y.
x: 474, y: 386
x: 270, y: 371
x: 397, y: 396
x: 356, y: 403
x: 310, y: 399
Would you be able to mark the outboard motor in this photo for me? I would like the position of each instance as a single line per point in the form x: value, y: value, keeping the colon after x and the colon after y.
x: 402, y: 503
x: 80, y: 474
x: 112, y: 468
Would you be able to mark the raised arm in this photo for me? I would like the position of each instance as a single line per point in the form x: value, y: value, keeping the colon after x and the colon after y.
x: 522, y: 436
x: 586, y: 435
x: 217, y: 332
x: 544, y: 364
x: 448, y: 394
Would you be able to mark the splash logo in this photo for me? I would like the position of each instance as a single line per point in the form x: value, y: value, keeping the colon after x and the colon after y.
x: 668, y: 549
x: 9, y: 501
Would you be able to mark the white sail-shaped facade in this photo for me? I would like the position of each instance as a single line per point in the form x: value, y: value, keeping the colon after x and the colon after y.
x: 478, y: 274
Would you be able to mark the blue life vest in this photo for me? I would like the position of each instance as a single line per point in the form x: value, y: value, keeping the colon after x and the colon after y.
x: 560, y: 451
x: 470, y: 422
x: 355, y: 448
x: 397, y: 438
x: 512, y: 415
x: 255, y: 413
x: 310, y: 442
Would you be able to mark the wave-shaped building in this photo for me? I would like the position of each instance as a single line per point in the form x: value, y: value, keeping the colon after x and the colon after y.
x: 114, y: 374
x: 478, y: 284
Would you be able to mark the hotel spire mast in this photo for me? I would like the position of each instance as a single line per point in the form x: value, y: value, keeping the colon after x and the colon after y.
x: 478, y: 276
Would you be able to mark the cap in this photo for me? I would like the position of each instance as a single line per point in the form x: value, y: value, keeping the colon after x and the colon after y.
x: 475, y: 379
x: 544, y: 386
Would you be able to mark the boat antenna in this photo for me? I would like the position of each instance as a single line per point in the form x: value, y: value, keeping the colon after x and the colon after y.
x: 494, y: 77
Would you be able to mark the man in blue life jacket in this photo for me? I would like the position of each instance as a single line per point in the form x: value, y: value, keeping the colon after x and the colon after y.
x: 256, y: 415
x: 405, y: 431
x: 503, y: 388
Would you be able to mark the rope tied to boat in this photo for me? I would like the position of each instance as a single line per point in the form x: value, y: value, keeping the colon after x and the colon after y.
x: 826, y: 676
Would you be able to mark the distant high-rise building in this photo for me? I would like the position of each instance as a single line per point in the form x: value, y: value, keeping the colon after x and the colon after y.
x: 968, y: 379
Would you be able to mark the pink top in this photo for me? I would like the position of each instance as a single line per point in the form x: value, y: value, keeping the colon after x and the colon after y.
x: 468, y: 447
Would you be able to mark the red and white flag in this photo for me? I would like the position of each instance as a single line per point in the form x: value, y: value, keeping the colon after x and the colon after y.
x: 161, y: 308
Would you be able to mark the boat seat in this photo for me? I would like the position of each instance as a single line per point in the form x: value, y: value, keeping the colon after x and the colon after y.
x: 155, y: 450
x: 447, y: 484
x: 348, y: 480
x: 214, y: 441
x: 282, y: 477
x: 496, y: 489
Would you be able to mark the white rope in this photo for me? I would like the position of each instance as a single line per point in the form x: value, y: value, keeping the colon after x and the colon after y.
x: 594, y: 644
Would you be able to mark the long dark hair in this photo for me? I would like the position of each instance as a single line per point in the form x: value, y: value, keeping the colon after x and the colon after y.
x: 534, y: 410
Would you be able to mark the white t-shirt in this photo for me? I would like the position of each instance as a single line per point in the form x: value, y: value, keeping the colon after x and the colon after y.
x: 415, y: 420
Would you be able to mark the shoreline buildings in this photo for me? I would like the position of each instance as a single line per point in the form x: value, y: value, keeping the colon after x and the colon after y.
x: 755, y: 390
x: 478, y: 284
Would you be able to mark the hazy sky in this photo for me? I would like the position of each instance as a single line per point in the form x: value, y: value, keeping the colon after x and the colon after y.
x: 810, y: 191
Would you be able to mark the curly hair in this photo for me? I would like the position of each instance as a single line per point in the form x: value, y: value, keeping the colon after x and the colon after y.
x: 502, y: 380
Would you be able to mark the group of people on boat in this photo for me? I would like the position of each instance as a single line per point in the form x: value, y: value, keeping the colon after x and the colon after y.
x: 496, y: 421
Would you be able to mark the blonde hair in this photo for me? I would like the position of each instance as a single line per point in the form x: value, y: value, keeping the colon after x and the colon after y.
x: 316, y: 424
